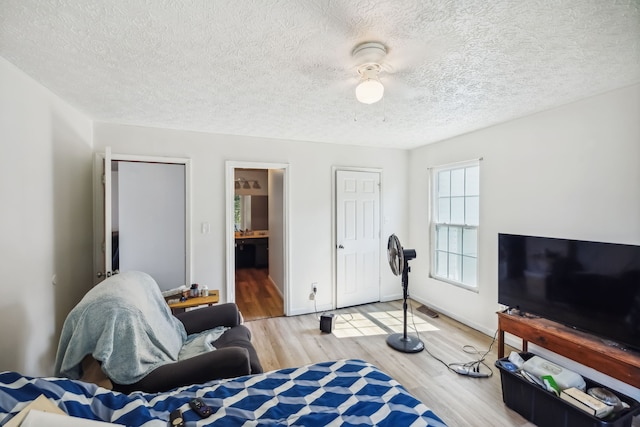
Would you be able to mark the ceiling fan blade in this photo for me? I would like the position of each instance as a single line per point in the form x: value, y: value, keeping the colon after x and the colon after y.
x: 397, y: 89
x: 410, y: 54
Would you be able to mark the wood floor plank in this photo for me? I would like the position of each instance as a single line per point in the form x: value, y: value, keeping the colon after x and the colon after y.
x: 256, y: 295
x: 361, y: 332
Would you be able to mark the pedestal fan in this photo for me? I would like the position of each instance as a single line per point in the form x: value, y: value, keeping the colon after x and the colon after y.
x: 399, y: 262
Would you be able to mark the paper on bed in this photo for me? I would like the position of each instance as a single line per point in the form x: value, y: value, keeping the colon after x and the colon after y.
x: 37, y: 418
x: 41, y: 403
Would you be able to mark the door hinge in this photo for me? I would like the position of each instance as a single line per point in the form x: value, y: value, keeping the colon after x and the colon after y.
x: 104, y: 179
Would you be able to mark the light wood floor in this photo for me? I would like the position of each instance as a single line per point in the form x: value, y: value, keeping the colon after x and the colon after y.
x: 256, y: 296
x: 361, y: 332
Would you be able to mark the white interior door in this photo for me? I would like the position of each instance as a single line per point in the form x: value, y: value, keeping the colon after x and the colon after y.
x: 357, y: 237
x: 142, y: 205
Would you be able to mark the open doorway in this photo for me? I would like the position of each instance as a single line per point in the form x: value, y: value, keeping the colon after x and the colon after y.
x: 257, y: 273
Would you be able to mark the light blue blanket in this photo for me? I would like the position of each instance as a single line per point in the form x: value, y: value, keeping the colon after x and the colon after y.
x: 126, y: 325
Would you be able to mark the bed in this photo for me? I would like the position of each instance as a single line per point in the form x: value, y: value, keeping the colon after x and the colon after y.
x: 341, y: 393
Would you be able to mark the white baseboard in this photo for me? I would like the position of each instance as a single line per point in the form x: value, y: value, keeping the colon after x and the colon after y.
x: 457, y: 317
x: 392, y: 297
x: 276, y: 286
x: 301, y: 310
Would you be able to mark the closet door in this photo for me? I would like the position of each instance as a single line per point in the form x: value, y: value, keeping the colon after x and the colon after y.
x: 358, y: 242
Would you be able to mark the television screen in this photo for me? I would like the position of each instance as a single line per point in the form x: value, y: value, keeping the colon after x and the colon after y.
x: 590, y: 286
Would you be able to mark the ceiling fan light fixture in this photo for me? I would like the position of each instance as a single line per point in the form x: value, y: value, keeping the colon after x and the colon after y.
x: 369, y: 91
x: 369, y: 55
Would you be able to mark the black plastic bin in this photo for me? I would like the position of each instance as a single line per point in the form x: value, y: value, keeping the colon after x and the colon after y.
x: 545, y: 409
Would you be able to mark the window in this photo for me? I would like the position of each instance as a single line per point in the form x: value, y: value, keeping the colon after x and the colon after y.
x: 454, y: 229
x: 237, y: 212
x: 242, y: 212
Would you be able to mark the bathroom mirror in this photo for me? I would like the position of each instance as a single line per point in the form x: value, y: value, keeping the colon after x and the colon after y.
x: 251, y: 212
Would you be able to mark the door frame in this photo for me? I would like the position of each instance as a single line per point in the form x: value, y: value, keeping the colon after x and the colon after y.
x: 334, y: 225
x: 230, y: 167
x: 100, y: 246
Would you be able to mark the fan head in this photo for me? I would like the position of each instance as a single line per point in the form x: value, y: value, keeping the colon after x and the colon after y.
x: 395, y: 254
x: 398, y: 256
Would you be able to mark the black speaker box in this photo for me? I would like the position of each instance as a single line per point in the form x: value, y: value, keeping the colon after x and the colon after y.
x: 326, y: 322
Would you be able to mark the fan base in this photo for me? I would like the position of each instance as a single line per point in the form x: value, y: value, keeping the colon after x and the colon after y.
x: 406, y: 345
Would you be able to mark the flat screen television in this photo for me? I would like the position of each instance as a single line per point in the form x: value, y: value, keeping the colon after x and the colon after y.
x: 589, y: 286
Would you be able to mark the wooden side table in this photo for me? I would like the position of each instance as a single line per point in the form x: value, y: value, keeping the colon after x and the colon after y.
x: 213, y: 298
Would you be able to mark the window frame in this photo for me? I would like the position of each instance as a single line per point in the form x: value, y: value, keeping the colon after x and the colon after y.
x: 434, y: 224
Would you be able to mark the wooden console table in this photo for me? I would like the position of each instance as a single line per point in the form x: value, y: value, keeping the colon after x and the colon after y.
x: 583, y: 348
x: 213, y: 298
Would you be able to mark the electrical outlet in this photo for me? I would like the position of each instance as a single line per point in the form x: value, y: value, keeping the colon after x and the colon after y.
x: 314, y: 291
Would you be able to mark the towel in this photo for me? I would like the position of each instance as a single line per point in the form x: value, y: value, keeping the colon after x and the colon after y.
x: 126, y: 325
x: 201, y: 342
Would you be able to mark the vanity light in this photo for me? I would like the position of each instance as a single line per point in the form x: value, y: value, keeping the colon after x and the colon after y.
x: 246, y: 184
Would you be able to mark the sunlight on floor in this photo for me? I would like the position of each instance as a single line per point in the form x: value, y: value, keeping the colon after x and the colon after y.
x: 377, y: 323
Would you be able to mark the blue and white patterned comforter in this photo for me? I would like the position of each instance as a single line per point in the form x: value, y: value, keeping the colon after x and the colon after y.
x: 337, y: 393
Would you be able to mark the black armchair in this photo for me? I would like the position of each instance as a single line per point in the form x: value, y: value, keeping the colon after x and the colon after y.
x: 234, y: 356
x: 124, y: 325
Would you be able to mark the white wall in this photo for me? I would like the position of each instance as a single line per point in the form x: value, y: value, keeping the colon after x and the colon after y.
x: 572, y: 172
x: 311, y: 246
x: 45, y: 219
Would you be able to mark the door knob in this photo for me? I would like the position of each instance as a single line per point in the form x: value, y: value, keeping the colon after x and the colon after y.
x: 340, y: 247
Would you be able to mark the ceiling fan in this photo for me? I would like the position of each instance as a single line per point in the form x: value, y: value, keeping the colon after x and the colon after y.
x: 399, y: 262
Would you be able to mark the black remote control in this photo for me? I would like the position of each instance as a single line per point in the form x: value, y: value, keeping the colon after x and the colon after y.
x: 175, y: 419
x: 201, y: 408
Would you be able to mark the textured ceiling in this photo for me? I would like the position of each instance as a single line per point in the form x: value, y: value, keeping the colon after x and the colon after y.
x: 283, y: 69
